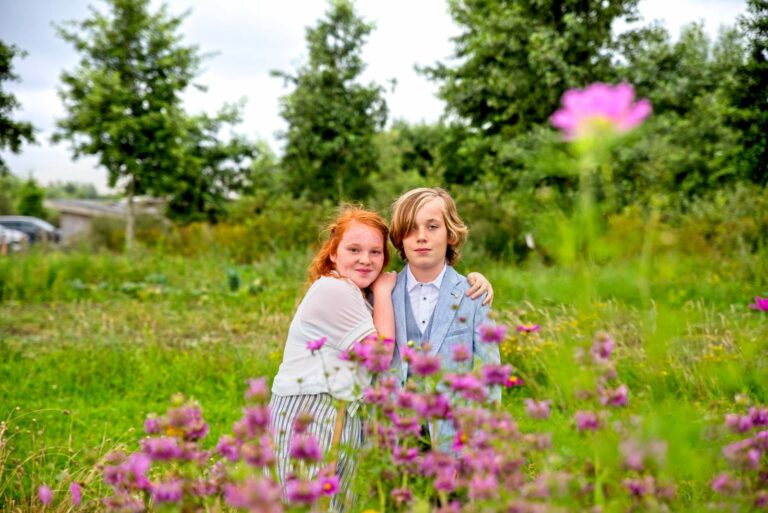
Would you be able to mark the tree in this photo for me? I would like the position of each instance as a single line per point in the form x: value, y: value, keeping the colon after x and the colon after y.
x: 31, y: 197
x: 749, y: 93
x: 123, y: 100
x: 211, y: 169
x: 332, y: 119
x: 12, y: 133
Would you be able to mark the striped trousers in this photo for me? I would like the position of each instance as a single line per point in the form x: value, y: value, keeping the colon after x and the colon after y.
x: 323, y: 408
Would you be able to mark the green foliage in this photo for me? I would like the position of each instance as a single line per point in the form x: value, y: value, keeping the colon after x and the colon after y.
x: 71, y: 190
x: 332, y: 119
x: 515, y: 59
x: 9, y: 185
x: 12, y: 133
x: 748, y: 93
x: 123, y: 100
x: 31, y: 197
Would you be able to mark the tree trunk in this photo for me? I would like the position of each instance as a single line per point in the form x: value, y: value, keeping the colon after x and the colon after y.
x: 130, y: 220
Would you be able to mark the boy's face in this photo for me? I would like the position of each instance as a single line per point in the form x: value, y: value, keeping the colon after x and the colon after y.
x: 425, y: 246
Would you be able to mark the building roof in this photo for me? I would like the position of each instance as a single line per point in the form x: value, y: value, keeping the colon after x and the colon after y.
x: 94, y: 208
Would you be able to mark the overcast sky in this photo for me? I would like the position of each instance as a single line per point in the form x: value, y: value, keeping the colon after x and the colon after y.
x: 252, y: 37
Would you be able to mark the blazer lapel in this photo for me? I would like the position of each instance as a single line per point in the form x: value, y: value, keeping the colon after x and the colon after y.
x: 398, y: 302
x: 447, y: 305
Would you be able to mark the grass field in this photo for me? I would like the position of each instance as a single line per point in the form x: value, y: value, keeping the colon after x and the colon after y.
x: 91, y: 343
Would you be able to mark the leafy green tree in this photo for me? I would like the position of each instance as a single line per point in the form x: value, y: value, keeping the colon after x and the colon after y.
x: 516, y: 58
x: 211, y: 169
x: 9, y: 186
x: 31, y: 197
x: 12, y: 133
x: 749, y: 93
x: 71, y: 190
x: 123, y: 100
x: 332, y: 119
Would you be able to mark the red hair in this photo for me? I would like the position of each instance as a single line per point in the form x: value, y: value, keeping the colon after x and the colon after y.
x: 321, y: 264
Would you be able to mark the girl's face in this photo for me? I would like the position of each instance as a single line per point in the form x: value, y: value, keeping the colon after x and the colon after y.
x: 360, y: 255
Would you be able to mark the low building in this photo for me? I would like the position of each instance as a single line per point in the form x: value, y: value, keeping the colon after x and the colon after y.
x: 76, y: 216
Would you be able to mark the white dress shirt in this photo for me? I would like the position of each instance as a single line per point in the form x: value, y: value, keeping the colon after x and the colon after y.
x: 423, y: 297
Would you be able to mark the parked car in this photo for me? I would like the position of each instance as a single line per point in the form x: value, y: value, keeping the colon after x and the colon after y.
x: 36, y: 229
x: 13, y: 240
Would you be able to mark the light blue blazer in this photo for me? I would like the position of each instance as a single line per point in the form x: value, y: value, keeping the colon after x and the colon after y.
x: 456, y: 321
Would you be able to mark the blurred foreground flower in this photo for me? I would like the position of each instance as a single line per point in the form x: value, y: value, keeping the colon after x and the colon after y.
x: 599, y: 109
x: 45, y: 494
x: 528, y: 328
x: 761, y: 303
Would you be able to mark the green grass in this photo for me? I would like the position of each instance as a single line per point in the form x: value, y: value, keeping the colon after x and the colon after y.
x: 92, y: 343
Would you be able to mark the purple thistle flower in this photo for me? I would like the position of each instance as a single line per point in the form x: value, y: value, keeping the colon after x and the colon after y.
x: 537, y: 409
x: 528, y: 328
x: 496, y: 374
x: 305, y: 447
x: 303, y: 492
x: 259, y: 453
x: 401, y: 496
x: 602, y: 347
x: 461, y: 353
x: 467, y: 385
x: 162, y: 449
x: 262, y: 495
x: 152, y: 425
x: 257, y: 389
x: 45, y: 494
x: 599, y: 107
x: 492, y: 334
x: 739, y: 423
x: 761, y: 303
x: 614, y: 397
x: 329, y: 485
x: 483, y: 486
x: 759, y: 416
x: 228, y: 447
x: 315, y: 345
x: 586, y: 421
x: 725, y: 484
x: 74, y: 491
x: 167, y: 491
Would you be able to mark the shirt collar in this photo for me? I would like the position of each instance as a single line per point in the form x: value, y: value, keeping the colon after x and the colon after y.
x: 412, y: 282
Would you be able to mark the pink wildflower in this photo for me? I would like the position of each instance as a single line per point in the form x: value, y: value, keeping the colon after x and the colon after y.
x: 725, y: 484
x: 759, y: 416
x: 259, y: 453
x: 614, y: 397
x: 587, y: 421
x: 537, y: 409
x: 261, y: 495
x: 74, y: 491
x: 305, y: 447
x: 315, y: 345
x: 492, y: 334
x: 467, y: 385
x: 162, y: 449
x: 257, y: 389
x: 45, y: 494
x: 461, y: 353
x: 589, y: 112
x: 227, y: 447
x: 167, y: 491
x: 303, y: 492
x: 602, y: 347
x: 329, y: 485
x: 496, y: 374
x: 401, y: 496
x: 514, y: 382
x: 152, y: 425
x: 761, y: 303
x: 738, y: 423
x: 483, y: 486
x: 528, y: 328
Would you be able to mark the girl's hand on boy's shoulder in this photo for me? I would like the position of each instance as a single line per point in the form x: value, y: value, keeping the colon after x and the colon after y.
x: 385, y: 283
x: 479, y: 285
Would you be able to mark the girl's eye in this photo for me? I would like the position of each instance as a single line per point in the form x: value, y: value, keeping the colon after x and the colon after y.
x: 354, y: 250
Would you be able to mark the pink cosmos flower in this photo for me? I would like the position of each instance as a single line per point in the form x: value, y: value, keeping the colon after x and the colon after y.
x: 761, y: 303
x: 74, y: 491
x: 514, y: 382
x: 528, y: 328
x: 492, y: 334
x: 537, y: 409
x: 45, y: 494
x: 315, y: 345
x: 329, y: 485
x: 599, y: 108
x: 586, y: 421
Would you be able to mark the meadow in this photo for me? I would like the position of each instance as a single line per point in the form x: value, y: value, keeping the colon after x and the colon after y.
x: 90, y: 343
